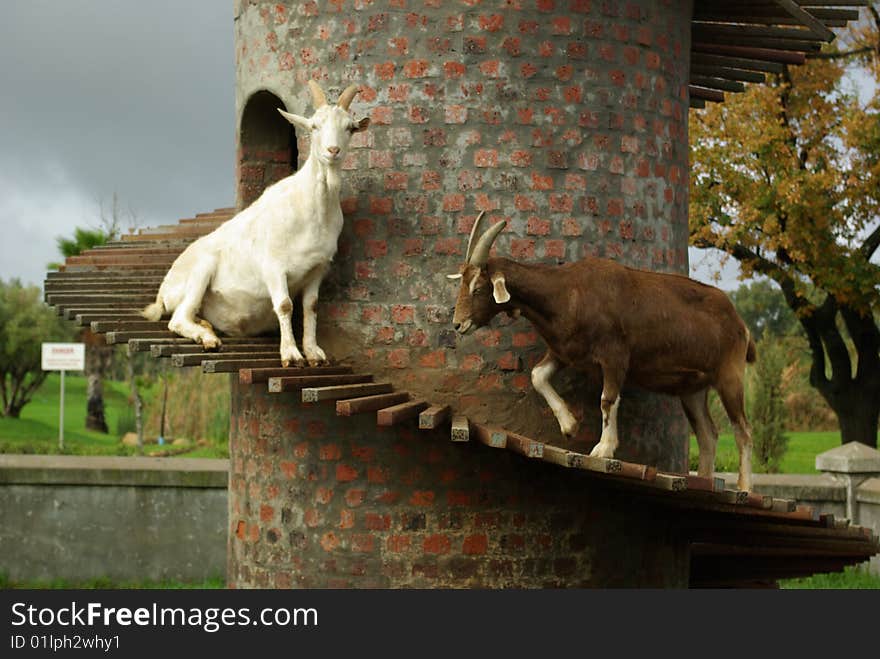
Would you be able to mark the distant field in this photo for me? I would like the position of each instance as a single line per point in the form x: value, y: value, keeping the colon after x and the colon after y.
x: 37, y: 429
x: 800, y: 458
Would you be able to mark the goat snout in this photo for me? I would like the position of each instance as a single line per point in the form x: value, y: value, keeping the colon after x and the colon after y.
x: 333, y: 150
x: 462, y: 328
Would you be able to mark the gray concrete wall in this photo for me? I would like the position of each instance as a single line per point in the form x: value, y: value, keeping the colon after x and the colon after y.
x: 129, y: 519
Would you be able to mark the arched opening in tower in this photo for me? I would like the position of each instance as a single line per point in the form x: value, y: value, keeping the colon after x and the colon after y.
x: 266, y: 148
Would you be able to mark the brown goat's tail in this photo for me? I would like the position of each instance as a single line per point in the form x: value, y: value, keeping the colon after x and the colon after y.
x: 751, y: 352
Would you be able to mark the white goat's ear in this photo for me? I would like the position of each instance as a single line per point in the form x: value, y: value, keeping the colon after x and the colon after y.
x: 296, y: 120
x: 361, y: 125
x: 455, y: 276
x: 499, y: 289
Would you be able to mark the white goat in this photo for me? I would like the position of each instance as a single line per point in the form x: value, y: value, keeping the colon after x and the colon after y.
x: 240, y: 277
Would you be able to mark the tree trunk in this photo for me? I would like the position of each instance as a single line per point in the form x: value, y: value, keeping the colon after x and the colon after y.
x: 138, y: 403
x: 95, y: 404
x: 98, y: 358
x: 857, y: 413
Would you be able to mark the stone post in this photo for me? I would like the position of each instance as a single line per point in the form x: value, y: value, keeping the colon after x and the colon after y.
x: 852, y: 464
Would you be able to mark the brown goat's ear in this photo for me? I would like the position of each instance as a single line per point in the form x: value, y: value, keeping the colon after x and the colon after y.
x: 499, y: 289
x: 361, y: 125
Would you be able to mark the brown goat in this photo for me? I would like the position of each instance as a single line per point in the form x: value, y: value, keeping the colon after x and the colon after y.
x: 662, y: 332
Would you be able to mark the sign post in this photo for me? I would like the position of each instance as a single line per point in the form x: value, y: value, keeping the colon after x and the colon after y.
x: 63, y: 357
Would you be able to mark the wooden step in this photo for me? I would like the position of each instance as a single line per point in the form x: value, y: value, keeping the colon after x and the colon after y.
x: 297, y: 382
x: 391, y: 416
x: 317, y: 394
x: 260, y: 375
x: 369, y: 403
x: 196, y: 359
x: 241, y: 345
x: 434, y: 417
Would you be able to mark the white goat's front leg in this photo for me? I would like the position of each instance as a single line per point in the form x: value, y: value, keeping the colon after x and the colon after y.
x: 183, y: 320
x: 612, y: 382
x: 283, y: 308
x: 541, y: 375
x: 311, y: 285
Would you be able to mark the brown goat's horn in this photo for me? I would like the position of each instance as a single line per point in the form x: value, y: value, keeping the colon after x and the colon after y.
x: 474, y: 231
x: 318, y: 98
x: 346, y: 96
x: 481, y: 250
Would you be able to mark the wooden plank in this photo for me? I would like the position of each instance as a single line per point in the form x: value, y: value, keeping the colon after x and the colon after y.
x: 391, y: 416
x: 259, y: 375
x: 196, y: 358
x: 234, y: 365
x: 72, y: 312
x: 706, y: 31
x: 805, y: 17
x: 460, y: 428
x: 783, y: 505
x: 755, y: 500
x: 86, y: 319
x: 434, y: 417
x: 790, y: 46
x: 590, y: 463
x: 716, y: 83
x: 121, y: 325
x: 526, y: 446
x: 369, y: 403
x: 556, y: 455
x: 317, y: 394
x: 807, y: 512
x: 637, y: 471
x: 494, y: 437
x: 766, y: 54
x: 167, y: 350
x: 727, y: 73
x: 670, y: 482
x: 741, y: 63
x: 705, y: 94
x: 296, y: 382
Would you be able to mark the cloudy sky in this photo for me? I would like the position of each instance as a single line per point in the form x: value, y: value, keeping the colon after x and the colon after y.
x: 110, y: 96
x: 124, y: 97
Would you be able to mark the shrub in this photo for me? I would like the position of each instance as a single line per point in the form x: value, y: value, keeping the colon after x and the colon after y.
x: 767, y: 406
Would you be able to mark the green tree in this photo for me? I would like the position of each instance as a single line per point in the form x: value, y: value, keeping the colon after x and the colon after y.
x: 762, y: 306
x: 25, y: 323
x: 786, y: 179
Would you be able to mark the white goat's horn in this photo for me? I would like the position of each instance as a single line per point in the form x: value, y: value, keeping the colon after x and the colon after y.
x: 481, y: 249
x: 318, y: 98
x: 474, y: 231
x: 346, y: 96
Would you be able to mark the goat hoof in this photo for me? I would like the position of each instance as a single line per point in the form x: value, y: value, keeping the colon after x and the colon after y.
x: 211, y: 343
x: 601, y: 451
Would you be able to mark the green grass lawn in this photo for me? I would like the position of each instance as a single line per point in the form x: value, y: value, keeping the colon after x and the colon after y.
x: 800, y: 458
x: 850, y: 578
x: 37, y: 429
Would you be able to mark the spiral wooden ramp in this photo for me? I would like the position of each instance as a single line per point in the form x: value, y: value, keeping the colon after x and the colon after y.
x: 737, y: 538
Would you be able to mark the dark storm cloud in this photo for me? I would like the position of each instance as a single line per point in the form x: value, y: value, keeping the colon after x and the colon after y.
x: 104, y: 96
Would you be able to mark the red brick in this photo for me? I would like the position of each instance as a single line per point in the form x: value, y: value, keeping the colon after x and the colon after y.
x: 520, y: 158
x: 323, y: 495
x: 329, y: 541
x: 416, y: 68
x: 453, y: 202
x: 345, y: 473
x: 381, y: 159
x: 398, y: 46
x: 536, y: 226
x: 363, y: 543
x: 385, y: 70
x: 453, y: 69
x: 456, y: 114
x: 346, y: 519
x: 396, y: 181
x: 435, y: 359
x: 376, y: 522
x: 398, y: 358
x: 486, y: 158
x: 375, y: 248
x: 437, y: 543
x: 329, y: 452
x: 448, y: 246
x: 475, y: 544
x: 522, y: 248
x: 381, y: 115
x: 422, y: 498
x: 403, y: 313
x: 554, y: 249
x: 288, y: 468
x: 398, y: 544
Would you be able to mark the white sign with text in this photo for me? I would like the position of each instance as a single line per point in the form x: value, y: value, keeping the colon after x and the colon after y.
x: 64, y: 356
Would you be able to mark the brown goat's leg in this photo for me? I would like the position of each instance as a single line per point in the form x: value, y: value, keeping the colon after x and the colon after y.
x: 612, y: 383
x: 696, y: 407
x: 730, y: 389
x: 541, y: 375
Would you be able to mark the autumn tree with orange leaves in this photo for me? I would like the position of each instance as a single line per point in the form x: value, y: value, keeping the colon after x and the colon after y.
x: 785, y: 178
